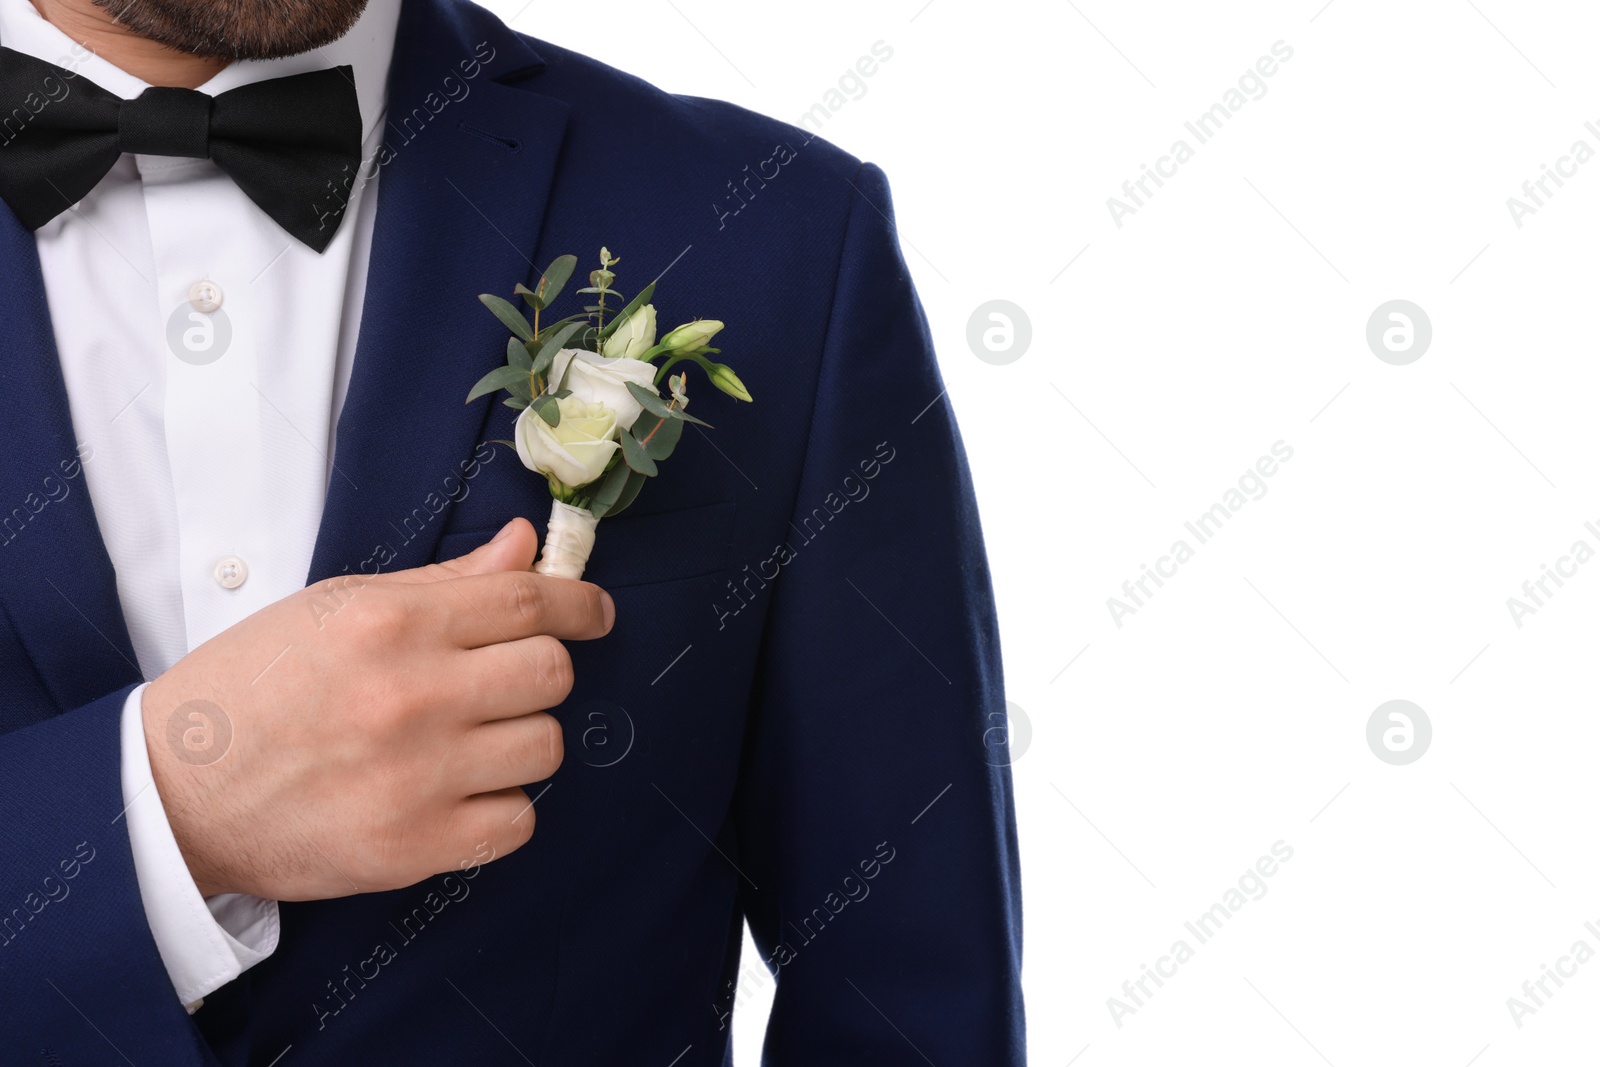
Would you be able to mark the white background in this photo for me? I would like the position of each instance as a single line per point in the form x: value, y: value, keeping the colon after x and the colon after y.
x: 1229, y: 313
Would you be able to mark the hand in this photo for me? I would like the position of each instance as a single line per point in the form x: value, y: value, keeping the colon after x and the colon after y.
x: 388, y: 740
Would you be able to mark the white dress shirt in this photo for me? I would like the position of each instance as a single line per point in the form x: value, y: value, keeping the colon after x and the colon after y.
x: 206, y: 354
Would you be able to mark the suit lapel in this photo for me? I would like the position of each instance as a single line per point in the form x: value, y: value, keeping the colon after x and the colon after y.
x: 461, y: 197
x: 57, y: 584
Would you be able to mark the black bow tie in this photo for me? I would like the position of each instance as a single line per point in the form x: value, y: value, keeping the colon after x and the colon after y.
x: 293, y: 145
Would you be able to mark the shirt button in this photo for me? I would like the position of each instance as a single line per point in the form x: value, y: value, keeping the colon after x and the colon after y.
x: 230, y: 572
x: 205, y: 296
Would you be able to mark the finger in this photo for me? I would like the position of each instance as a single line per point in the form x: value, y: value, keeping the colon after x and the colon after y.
x: 510, y: 752
x: 494, y: 823
x: 487, y: 609
x: 511, y: 679
x: 512, y: 549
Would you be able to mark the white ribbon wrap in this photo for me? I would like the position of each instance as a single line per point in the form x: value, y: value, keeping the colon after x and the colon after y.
x: 567, y: 542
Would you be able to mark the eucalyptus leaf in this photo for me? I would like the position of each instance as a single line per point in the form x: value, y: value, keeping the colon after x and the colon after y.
x: 546, y: 408
x: 608, y: 488
x: 650, y: 400
x: 686, y: 417
x: 557, y: 340
x: 517, y: 354
x: 634, y: 454
x: 561, y: 386
x: 515, y: 403
x: 553, y: 281
x: 541, y: 363
x: 548, y: 326
x: 497, y: 379
x: 507, y: 312
x: 554, y: 341
x: 659, y: 435
x: 635, y: 483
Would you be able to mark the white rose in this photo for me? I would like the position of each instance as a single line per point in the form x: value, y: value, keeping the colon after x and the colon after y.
x: 635, y: 337
x: 598, y: 380
x: 574, y: 453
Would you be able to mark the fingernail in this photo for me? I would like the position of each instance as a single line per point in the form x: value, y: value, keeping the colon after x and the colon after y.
x: 503, y: 531
x: 609, y: 608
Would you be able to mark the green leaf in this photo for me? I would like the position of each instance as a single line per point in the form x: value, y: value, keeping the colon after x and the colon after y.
x: 608, y: 488
x: 634, y: 454
x: 651, y: 401
x: 507, y: 312
x: 553, y: 281
x: 686, y: 417
x: 517, y: 354
x: 548, y: 326
x: 635, y: 483
x: 659, y: 435
x: 542, y: 362
x: 569, y: 330
x: 501, y: 378
x: 515, y: 403
x: 502, y: 441
x: 633, y: 305
x: 546, y: 408
x: 553, y: 342
x: 561, y: 386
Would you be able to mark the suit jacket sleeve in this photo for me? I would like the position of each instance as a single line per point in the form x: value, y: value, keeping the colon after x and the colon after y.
x: 81, y: 980
x: 875, y: 810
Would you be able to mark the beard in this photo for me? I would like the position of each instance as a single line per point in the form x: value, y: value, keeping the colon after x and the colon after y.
x: 238, y: 29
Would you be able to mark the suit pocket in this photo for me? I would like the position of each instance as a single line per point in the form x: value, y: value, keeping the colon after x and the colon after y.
x: 641, y: 548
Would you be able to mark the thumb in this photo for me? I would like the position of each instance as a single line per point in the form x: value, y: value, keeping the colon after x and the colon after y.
x: 512, y: 549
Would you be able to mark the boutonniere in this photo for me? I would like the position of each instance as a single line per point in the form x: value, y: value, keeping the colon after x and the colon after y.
x: 593, y: 420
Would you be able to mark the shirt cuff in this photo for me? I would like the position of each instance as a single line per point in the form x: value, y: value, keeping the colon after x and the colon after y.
x: 204, y: 943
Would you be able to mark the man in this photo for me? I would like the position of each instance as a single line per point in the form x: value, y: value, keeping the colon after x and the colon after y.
x: 274, y: 668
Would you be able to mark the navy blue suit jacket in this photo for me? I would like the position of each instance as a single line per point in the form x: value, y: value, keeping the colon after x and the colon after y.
x: 793, y: 722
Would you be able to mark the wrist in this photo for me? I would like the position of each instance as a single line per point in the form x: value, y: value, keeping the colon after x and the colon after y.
x: 173, y: 769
